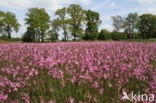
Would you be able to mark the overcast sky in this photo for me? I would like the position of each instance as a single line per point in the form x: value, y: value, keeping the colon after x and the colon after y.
x: 106, y: 8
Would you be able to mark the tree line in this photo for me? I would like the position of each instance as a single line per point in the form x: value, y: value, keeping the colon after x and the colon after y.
x: 76, y: 23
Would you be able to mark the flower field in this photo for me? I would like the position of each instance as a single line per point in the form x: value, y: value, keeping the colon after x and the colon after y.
x: 76, y: 72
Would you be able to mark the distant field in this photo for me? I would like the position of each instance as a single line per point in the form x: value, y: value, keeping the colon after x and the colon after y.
x: 128, y: 40
x: 141, y: 40
x: 2, y: 41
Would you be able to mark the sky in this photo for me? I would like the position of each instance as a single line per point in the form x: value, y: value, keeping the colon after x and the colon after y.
x: 106, y: 8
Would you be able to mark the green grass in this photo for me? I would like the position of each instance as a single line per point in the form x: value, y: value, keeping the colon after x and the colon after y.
x: 3, y: 41
x: 141, y: 40
x: 127, y: 40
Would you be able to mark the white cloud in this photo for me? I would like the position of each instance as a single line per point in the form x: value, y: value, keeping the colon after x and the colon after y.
x: 113, y: 5
x: 85, y: 2
x: 146, y: 6
x: 146, y: 2
x: 103, y: 5
x: 107, y: 26
x: 106, y: 18
x: 151, y: 9
x: 15, y: 4
x: 47, y: 4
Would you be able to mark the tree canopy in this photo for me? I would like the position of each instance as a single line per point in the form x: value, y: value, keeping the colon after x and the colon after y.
x: 93, y: 22
x: 63, y: 21
x: 38, y: 21
x: 117, y: 23
x: 130, y: 24
x: 8, y: 23
x: 104, y: 35
x: 76, y: 19
x: 147, y: 25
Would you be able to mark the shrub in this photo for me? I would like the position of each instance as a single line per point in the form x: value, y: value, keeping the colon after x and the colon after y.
x: 118, y: 36
x: 104, y: 35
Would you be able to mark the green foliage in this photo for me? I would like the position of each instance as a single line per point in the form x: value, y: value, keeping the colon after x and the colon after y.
x: 104, y: 35
x: 76, y: 19
x: 38, y: 21
x: 118, y: 36
x: 147, y: 26
x: 130, y: 25
x: 63, y: 21
x: 12, y: 40
x: 117, y: 23
x: 135, y: 26
x: 3, y: 37
x: 8, y: 23
x: 29, y: 36
x: 53, y: 36
x: 93, y: 22
x: 2, y: 15
x: 55, y: 24
x: 141, y: 40
x: 18, y: 39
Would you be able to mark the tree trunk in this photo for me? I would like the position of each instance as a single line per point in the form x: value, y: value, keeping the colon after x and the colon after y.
x: 65, y: 33
x: 74, y: 38
x: 74, y: 34
x: 42, y: 38
x: 65, y: 36
x: 9, y: 35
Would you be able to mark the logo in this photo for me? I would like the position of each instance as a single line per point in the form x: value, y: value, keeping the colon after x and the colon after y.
x: 138, y: 97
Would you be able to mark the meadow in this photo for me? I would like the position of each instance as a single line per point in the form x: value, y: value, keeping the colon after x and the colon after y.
x: 76, y: 72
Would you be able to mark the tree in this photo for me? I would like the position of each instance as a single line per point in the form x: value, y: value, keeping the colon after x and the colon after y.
x: 76, y: 18
x: 54, y: 33
x: 104, y: 35
x: 147, y: 25
x: 118, y: 35
x: 55, y: 24
x: 93, y: 22
x: 38, y: 21
x: 29, y: 35
x: 62, y: 19
x: 8, y: 23
x: 2, y: 16
x: 130, y: 24
x: 117, y: 23
x: 53, y: 36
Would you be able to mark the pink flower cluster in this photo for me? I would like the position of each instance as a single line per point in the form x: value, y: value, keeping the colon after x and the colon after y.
x: 96, y: 66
